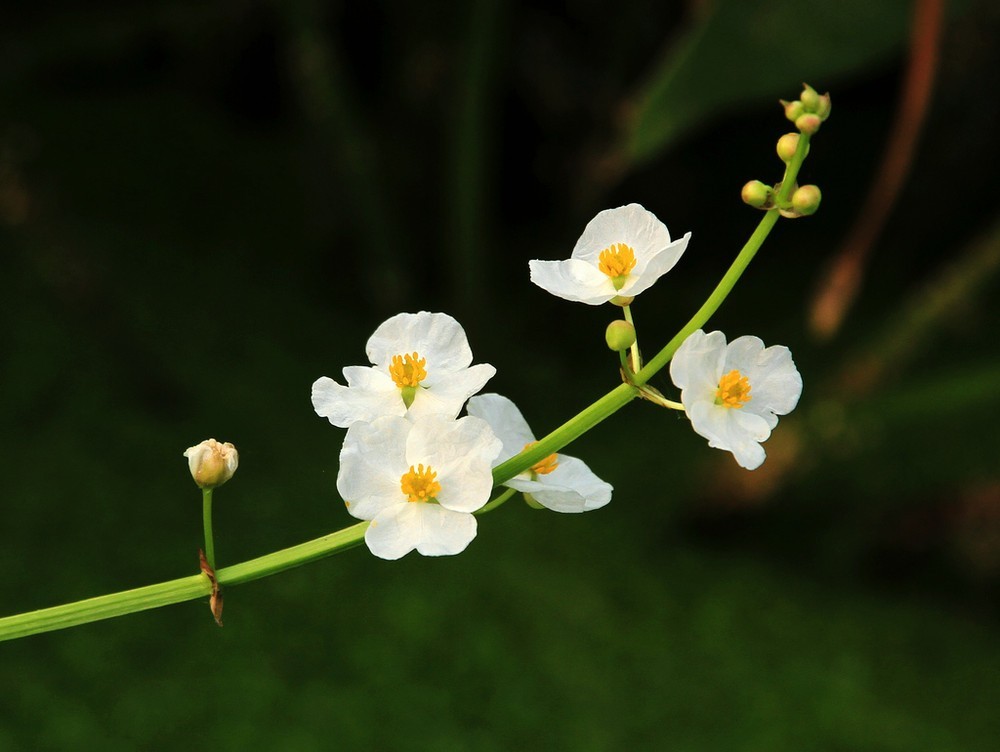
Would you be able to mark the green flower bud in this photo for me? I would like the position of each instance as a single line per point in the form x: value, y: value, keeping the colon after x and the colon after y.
x: 809, y: 98
x: 808, y: 123
x: 793, y: 109
x: 757, y: 194
x: 212, y: 463
x: 787, y: 145
x: 823, y: 110
x: 805, y: 199
x: 620, y: 335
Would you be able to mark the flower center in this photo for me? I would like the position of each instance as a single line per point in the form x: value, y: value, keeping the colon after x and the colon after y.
x: 543, y: 466
x: 408, y: 370
x: 734, y: 390
x: 419, y: 484
x: 617, y: 261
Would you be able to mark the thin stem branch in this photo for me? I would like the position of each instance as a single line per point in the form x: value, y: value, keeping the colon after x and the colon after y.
x: 206, y: 520
x: 197, y: 586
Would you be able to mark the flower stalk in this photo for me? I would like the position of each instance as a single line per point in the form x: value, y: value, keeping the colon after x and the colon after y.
x: 199, y: 585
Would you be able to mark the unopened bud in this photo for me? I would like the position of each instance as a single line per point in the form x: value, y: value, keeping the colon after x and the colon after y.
x: 620, y: 335
x: 808, y: 123
x: 809, y: 98
x: 823, y: 109
x: 212, y: 463
x: 806, y: 199
x: 793, y: 109
x: 757, y: 194
x: 787, y: 145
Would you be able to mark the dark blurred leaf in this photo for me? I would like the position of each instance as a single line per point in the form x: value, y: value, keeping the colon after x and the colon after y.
x: 744, y: 52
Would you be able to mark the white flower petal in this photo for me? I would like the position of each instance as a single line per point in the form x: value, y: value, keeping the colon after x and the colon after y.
x: 461, y: 452
x: 649, y: 268
x: 506, y: 421
x: 434, y: 336
x: 572, y: 487
x: 372, y: 462
x: 699, y: 361
x: 446, y: 394
x: 366, y: 399
x: 572, y: 279
x: 630, y: 224
x: 431, y: 529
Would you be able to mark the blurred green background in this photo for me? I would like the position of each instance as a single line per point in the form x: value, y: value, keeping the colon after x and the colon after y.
x: 205, y: 207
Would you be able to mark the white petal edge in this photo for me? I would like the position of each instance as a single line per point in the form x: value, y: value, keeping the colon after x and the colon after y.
x: 366, y: 400
x: 435, y: 336
x: 372, y: 462
x: 571, y: 488
x: 505, y: 419
x: 572, y: 279
x: 430, y: 529
x: 631, y: 224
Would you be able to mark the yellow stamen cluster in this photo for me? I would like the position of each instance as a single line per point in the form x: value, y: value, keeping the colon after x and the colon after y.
x: 543, y: 466
x: 734, y: 390
x: 420, y: 484
x: 617, y: 261
x: 408, y: 370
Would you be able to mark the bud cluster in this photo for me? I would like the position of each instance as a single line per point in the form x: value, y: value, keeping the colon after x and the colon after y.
x: 809, y: 110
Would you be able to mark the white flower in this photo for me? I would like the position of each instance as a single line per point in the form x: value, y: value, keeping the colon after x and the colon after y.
x: 558, y: 482
x: 417, y: 481
x: 734, y: 394
x: 622, y: 252
x: 421, y: 367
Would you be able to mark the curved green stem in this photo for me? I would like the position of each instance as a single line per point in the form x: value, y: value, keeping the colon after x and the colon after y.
x: 197, y: 586
x: 733, y: 274
x: 494, y: 503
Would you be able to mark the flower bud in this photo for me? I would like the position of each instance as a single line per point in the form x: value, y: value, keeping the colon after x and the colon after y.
x: 824, y: 107
x: 757, y: 194
x: 809, y: 98
x: 793, y: 110
x: 808, y: 123
x: 806, y: 199
x: 620, y: 335
x: 212, y: 463
x: 787, y: 145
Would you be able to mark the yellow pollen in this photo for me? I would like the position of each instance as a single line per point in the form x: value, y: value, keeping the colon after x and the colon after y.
x: 408, y: 369
x: 734, y: 390
x: 543, y: 466
x: 617, y: 260
x: 420, y: 484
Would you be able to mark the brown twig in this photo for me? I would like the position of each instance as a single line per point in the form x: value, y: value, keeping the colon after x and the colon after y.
x: 842, y: 281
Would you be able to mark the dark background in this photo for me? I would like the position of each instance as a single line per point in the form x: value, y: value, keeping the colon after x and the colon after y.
x: 205, y: 207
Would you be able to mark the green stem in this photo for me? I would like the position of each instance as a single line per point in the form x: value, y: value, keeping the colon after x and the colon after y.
x: 197, y: 586
x: 179, y: 590
x: 634, y: 350
x: 497, y: 501
x: 206, y: 520
x: 734, y: 272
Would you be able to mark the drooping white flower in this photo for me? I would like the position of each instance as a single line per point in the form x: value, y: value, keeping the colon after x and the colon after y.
x: 421, y: 366
x: 558, y: 482
x: 417, y: 481
x: 733, y: 394
x: 621, y: 253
